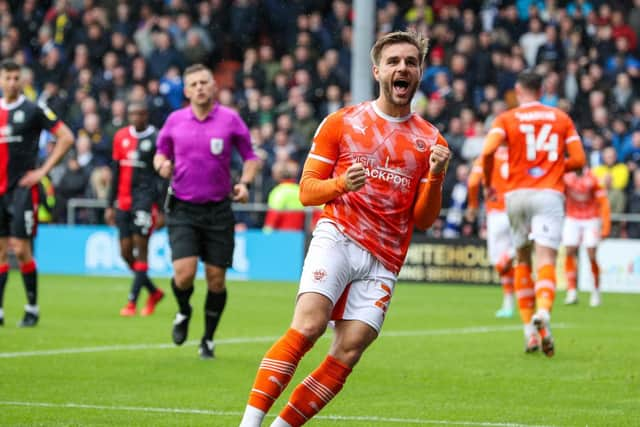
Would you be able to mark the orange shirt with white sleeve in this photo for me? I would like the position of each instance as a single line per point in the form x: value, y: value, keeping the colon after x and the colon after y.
x: 399, y: 192
x: 538, y: 137
x: 587, y: 199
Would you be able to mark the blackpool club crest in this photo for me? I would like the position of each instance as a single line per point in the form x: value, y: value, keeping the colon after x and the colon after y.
x: 216, y: 145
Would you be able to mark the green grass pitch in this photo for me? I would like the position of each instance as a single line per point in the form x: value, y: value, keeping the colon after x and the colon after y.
x: 445, y: 360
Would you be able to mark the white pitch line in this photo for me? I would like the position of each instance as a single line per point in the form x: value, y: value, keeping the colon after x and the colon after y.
x: 249, y: 340
x: 381, y: 420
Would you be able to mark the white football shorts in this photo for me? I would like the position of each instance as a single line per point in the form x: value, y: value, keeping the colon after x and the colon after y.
x: 498, y: 236
x: 357, y: 284
x: 577, y: 231
x: 535, y: 215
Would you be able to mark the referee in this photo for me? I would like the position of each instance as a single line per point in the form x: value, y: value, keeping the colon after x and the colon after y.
x: 194, y: 149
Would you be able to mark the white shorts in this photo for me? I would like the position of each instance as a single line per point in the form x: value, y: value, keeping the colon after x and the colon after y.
x: 357, y: 284
x: 585, y: 231
x: 498, y: 236
x: 535, y: 215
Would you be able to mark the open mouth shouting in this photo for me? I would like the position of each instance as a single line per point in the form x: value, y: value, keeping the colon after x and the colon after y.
x: 401, y: 87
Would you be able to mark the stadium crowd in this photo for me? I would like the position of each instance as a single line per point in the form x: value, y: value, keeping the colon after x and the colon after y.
x: 285, y: 64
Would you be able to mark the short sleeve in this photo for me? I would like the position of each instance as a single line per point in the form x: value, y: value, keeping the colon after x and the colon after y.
x: 164, y: 143
x: 47, y: 118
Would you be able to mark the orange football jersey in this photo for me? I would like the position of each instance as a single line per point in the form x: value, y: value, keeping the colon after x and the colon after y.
x: 499, y: 176
x: 395, y: 154
x: 537, y: 137
x: 582, y: 194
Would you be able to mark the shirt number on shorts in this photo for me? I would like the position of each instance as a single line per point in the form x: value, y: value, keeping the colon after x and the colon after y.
x: 543, y: 141
x: 143, y: 220
x: 29, y: 222
x: 383, y: 303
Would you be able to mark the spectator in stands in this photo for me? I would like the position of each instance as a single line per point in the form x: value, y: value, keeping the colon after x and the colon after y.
x: 118, y: 119
x: 73, y: 184
x: 551, y: 51
x: 457, y: 203
x: 286, y: 212
x: 532, y: 40
x: 55, y: 99
x: 631, y: 152
x: 455, y: 138
x: 97, y: 43
x: 633, y: 206
x: 614, y: 177
x: 171, y: 87
x: 100, y: 145
x: 332, y: 103
x: 304, y: 126
x: 243, y: 23
x: 164, y: 56
x: 159, y: 107
x: 63, y: 19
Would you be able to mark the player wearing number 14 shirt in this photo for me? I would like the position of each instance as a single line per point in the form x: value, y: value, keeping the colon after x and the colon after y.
x: 543, y: 144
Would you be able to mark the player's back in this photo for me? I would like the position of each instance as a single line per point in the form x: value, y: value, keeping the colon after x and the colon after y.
x: 582, y: 193
x: 537, y: 136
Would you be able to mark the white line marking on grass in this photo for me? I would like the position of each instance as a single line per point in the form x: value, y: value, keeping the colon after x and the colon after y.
x: 382, y: 420
x: 250, y: 340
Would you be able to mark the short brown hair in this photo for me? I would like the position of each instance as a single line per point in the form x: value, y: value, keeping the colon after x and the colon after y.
x: 530, y: 80
x: 194, y: 69
x: 418, y: 40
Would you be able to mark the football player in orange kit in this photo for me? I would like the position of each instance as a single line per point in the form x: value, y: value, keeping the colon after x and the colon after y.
x: 543, y: 144
x: 378, y: 168
x: 588, y: 220
x: 499, y: 244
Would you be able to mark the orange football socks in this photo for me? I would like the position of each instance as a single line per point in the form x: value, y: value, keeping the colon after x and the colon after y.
x: 546, y: 287
x: 277, y: 368
x: 315, y: 392
x: 524, y: 291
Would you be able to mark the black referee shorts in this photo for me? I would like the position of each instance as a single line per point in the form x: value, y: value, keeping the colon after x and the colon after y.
x: 204, y: 230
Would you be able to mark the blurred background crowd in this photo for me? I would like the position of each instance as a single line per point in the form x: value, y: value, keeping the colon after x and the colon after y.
x: 285, y: 64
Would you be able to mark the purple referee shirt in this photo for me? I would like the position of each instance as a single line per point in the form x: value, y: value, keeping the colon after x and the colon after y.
x: 201, y: 152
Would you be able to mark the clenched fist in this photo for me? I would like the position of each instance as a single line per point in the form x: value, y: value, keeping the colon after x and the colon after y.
x: 355, y: 177
x: 439, y: 158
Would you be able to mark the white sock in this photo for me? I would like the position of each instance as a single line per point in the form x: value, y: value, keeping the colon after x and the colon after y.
x: 279, y: 422
x: 529, y: 330
x: 33, y: 309
x: 252, y: 417
x: 546, y: 316
x: 508, y: 301
x: 1, y: 312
